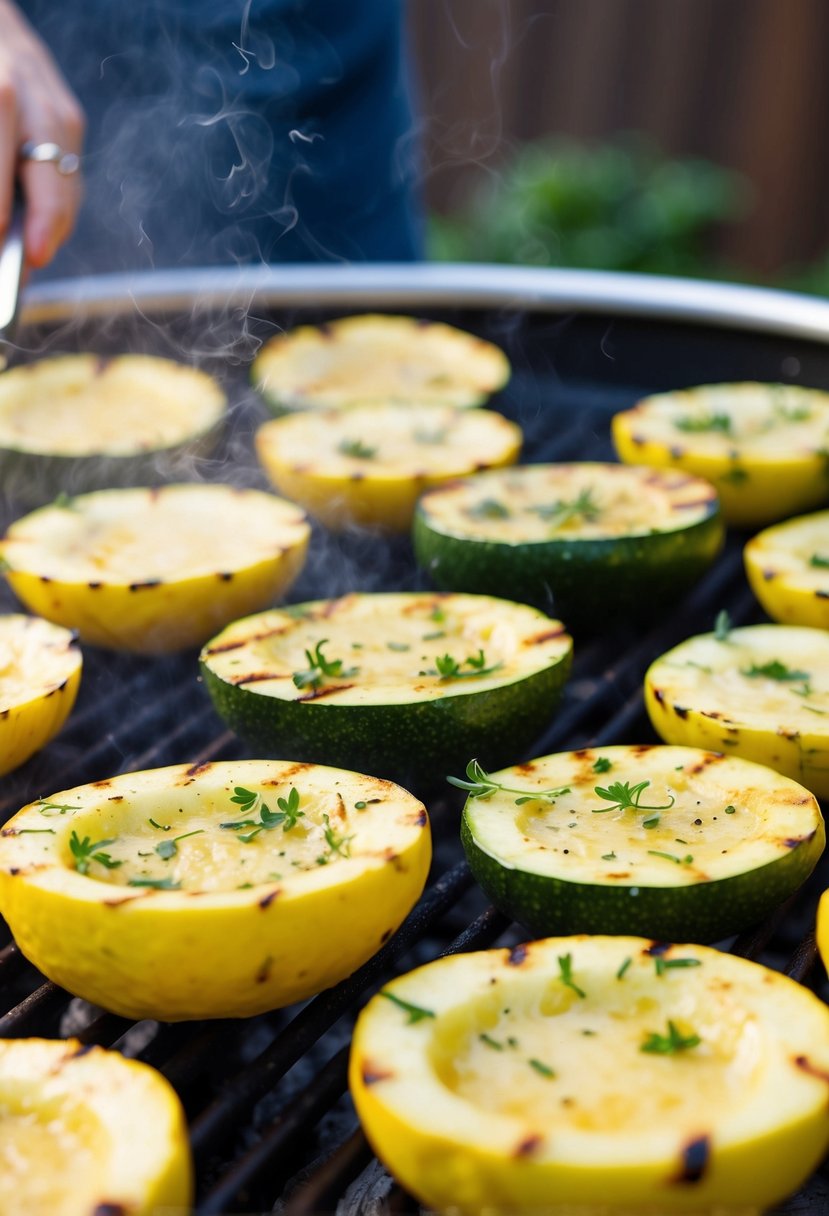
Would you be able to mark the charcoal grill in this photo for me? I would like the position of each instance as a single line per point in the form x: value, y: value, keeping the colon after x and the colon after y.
x: 270, y: 1118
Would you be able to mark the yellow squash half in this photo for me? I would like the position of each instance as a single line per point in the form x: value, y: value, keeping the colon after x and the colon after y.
x: 219, y: 890
x: 40, y: 672
x: 788, y: 569
x: 363, y: 359
x: 763, y: 446
x: 609, y: 1072
x: 369, y: 464
x: 155, y: 570
x: 760, y: 692
x: 85, y: 1131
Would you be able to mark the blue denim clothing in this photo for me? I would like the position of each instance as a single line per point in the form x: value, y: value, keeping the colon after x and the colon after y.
x: 222, y: 131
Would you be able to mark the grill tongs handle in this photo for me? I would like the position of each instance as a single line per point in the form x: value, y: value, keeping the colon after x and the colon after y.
x: 11, y: 272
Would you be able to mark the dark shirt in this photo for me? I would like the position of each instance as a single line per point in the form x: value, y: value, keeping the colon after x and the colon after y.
x: 221, y: 131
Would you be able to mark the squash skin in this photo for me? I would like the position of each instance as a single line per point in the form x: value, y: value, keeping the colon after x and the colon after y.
x: 28, y: 723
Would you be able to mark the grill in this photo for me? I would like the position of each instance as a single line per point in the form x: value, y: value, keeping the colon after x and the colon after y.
x: 270, y: 1119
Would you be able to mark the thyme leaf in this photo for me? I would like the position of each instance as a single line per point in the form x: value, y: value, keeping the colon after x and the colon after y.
x: 565, y: 966
x: 479, y: 784
x: 623, y: 796
x: 320, y: 668
x: 416, y: 1013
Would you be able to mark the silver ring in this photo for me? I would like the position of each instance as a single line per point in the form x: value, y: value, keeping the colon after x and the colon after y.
x: 66, y: 163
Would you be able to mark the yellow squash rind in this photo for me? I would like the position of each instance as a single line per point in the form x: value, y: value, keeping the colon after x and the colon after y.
x: 788, y: 570
x: 255, y: 924
x: 511, y: 1091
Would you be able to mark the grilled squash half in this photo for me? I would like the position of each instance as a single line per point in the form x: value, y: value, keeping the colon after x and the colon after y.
x: 763, y: 446
x: 788, y: 569
x: 594, y: 1074
x: 88, y: 1131
x: 218, y: 890
x: 401, y: 685
x: 760, y: 692
x: 155, y: 570
x: 369, y: 464
x: 576, y: 539
x: 40, y: 671
x: 76, y: 423
x: 382, y: 359
x: 668, y: 842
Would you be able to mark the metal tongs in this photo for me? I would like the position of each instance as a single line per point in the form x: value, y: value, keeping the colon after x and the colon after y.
x: 11, y: 272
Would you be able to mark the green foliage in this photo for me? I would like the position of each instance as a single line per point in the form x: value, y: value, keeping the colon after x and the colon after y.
x: 615, y: 206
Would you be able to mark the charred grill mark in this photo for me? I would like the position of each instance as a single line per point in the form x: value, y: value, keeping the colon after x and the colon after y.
x: 528, y: 1146
x: 94, y: 586
x: 695, y: 1155
x: 421, y: 818
x: 83, y: 1049
x: 693, y: 503
x: 822, y: 595
x: 225, y: 576
x: 517, y: 955
x: 319, y: 693
x: 255, y: 677
x: 638, y: 440
x: 9, y: 832
x: 268, y: 899
x: 806, y: 1065
x: 792, y: 842
x: 681, y: 711
x: 768, y: 575
x: 109, y: 1209
x: 527, y: 767
x: 656, y: 949
x: 623, y: 874
x: 44, y: 578
x: 146, y: 585
x: 104, y: 784
x: 676, y: 451
x: 195, y: 769
x: 358, y: 475
x: 547, y: 636
x: 251, y: 638
x: 101, y: 365
x: 702, y: 765
x: 115, y: 798
x: 372, y: 1073
x: 264, y: 972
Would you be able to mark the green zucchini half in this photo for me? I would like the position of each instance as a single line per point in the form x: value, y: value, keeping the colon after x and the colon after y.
x: 398, y: 685
x: 710, y: 846
x: 83, y: 422
x: 571, y: 538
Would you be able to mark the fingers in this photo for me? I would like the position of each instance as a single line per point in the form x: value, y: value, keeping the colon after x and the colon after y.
x: 36, y: 105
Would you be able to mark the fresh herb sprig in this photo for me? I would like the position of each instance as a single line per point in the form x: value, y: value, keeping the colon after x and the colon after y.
x: 321, y: 669
x: 479, y: 784
x: 583, y: 506
x: 166, y: 849
x: 774, y: 670
x: 59, y: 808
x: 565, y: 967
x: 356, y: 448
x: 671, y: 1043
x: 699, y: 423
x: 85, y: 851
x: 337, y: 845
x: 448, y: 668
x: 250, y: 802
x: 488, y: 508
x: 623, y: 796
x: 416, y: 1013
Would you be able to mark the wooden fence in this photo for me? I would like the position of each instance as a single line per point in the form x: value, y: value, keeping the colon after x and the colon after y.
x: 741, y: 82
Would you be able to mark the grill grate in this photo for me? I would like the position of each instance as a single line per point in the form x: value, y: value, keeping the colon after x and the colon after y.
x: 270, y: 1120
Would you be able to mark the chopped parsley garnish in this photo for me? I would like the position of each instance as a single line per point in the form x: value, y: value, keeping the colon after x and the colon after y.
x: 730, y: 810
x: 624, y: 796
x: 698, y: 423
x: 320, y: 668
x: 722, y: 625
x: 662, y: 964
x: 481, y: 785
x: 556, y: 514
x: 60, y: 807
x: 565, y: 966
x: 608, y: 856
x: 416, y: 1013
x: 488, y: 508
x: 818, y: 560
x: 490, y: 1042
x: 86, y: 851
x: 620, y: 974
x: 155, y: 884
x: 541, y: 1068
x: 448, y: 668
x: 336, y: 844
x: 680, y: 861
x: 774, y: 670
x: 602, y: 764
x: 399, y: 647
x: 356, y: 447
x: 671, y: 1043
x: 168, y: 848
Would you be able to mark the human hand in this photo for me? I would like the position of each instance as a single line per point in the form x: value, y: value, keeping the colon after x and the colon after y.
x: 36, y: 105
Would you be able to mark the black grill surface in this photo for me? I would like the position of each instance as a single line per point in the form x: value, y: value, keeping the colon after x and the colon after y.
x: 271, y: 1122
